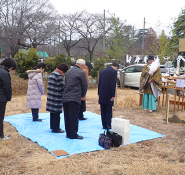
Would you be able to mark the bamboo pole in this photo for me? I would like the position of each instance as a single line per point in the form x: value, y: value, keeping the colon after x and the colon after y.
x: 98, y: 76
x: 167, y: 104
x: 115, y: 100
x: 121, y: 79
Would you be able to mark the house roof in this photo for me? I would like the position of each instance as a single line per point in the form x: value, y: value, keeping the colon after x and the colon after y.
x: 40, y: 53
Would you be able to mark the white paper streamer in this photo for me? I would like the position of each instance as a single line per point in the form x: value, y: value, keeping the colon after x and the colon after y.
x: 154, y: 66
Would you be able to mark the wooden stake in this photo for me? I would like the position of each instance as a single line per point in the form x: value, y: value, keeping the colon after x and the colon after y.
x: 115, y: 100
x: 167, y: 104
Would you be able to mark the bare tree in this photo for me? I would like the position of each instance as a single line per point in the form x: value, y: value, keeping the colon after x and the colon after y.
x: 41, y: 25
x: 11, y: 25
x: 26, y: 23
x: 91, y: 29
x: 67, y: 31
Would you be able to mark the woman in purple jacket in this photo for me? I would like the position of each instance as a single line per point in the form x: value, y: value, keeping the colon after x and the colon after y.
x: 35, y: 90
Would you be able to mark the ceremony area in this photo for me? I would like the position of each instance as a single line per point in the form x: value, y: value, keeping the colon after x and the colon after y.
x: 19, y: 155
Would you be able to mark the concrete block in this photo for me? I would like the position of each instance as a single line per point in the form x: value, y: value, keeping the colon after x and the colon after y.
x: 122, y: 127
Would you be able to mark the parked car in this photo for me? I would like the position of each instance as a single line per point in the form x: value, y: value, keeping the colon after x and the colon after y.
x: 121, y: 67
x: 132, y: 74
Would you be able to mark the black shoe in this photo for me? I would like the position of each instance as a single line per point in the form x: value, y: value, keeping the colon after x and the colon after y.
x: 104, y: 127
x: 79, y: 137
x: 83, y: 118
x: 38, y: 120
x: 59, y: 131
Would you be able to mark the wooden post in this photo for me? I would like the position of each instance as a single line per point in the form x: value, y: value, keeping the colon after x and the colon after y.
x: 140, y: 99
x: 98, y: 76
x: 167, y: 104
x: 115, y: 100
x: 121, y: 79
x: 182, y: 101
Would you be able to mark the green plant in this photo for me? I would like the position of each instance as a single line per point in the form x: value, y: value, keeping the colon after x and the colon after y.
x: 99, y: 65
x: 162, y: 47
x: 119, y: 39
x: 175, y: 63
x: 52, y: 63
x: 26, y: 61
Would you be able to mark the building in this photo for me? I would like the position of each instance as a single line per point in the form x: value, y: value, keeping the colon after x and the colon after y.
x: 182, y: 46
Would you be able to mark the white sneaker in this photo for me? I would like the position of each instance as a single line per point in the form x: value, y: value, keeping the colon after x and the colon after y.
x: 144, y: 109
x: 150, y: 111
x: 5, y: 137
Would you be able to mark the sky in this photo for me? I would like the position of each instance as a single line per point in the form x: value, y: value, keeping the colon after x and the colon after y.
x: 158, y: 14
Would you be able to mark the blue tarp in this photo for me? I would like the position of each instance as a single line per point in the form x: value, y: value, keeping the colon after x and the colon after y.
x: 90, y: 129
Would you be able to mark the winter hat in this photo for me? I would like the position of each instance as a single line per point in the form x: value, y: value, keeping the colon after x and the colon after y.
x: 150, y: 57
x: 8, y: 63
x: 89, y: 65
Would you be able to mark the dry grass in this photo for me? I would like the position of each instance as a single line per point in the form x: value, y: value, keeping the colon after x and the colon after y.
x: 126, y: 98
x: 159, y: 156
x: 19, y: 85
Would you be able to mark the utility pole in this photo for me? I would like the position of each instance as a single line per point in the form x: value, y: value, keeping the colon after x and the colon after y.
x: 133, y: 42
x: 143, y: 37
x: 104, y: 32
x: 59, y: 40
x: 54, y: 47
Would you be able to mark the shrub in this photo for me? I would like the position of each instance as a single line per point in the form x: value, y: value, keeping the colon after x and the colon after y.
x: 181, y: 63
x: 26, y: 61
x: 99, y: 65
x: 52, y: 63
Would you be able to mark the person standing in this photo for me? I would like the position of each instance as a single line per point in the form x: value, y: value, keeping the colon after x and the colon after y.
x: 106, y: 92
x: 54, y: 96
x: 151, y: 84
x: 75, y: 88
x: 35, y: 90
x: 87, y: 70
x: 6, y: 66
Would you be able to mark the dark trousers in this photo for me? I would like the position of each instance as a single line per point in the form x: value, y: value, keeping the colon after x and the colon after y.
x: 82, y: 109
x: 35, y: 113
x: 106, y: 115
x: 71, y: 111
x: 55, y: 121
x: 2, y: 113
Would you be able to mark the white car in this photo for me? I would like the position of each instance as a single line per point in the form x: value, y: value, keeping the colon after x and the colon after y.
x: 121, y: 67
x: 132, y: 74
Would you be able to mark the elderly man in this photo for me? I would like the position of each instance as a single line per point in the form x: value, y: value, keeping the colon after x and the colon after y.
x: 106, y: 92
x: 75, y: 88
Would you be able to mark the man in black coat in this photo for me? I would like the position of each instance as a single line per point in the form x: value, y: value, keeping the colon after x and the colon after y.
x: 106, y: 92
x: 75, y: 88
x: 6, y: 66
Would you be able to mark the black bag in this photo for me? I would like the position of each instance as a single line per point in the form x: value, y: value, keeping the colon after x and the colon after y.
x: 110, y: 139
x: 105, y: 141
x: 116, y: 139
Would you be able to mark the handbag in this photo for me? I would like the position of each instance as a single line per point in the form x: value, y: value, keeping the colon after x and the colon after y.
x: 110, y: 139
x: 105, y: 140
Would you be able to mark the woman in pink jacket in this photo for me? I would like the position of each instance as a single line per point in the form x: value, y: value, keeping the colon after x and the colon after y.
x: 35, y: 90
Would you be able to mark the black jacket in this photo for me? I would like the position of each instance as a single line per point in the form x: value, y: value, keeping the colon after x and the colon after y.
x: 55, y: 91
x: 5, y: 85
x: 107, y: 85
x: 75, y: 85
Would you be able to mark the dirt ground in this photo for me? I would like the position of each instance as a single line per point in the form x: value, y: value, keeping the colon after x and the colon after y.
x: 166, y: 155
